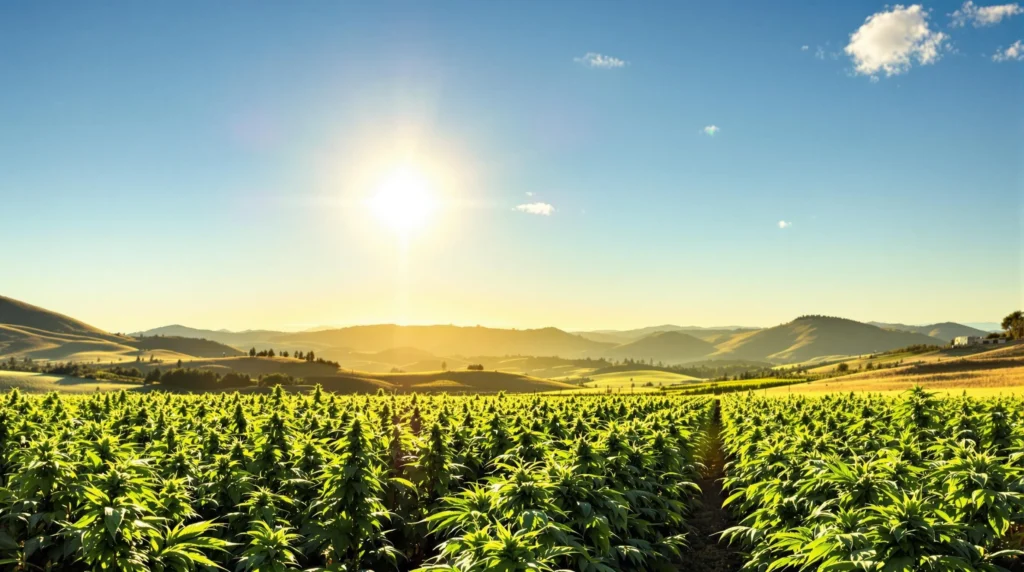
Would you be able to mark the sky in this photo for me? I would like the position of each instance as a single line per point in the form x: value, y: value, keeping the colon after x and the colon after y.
x: 582, y: 165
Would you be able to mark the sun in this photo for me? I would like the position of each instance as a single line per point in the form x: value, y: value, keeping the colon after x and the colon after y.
x: 404, y: 200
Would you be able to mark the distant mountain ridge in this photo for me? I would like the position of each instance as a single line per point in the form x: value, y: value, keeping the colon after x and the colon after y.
x: 944, y: 331
x: 671, y: 347
x: 38, y: 333
x: 711, y: 334
x: 810, y: 337
x: 30, y: 331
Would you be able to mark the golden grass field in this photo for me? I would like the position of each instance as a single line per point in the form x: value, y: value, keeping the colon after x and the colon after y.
x: 639, y: 378
x: 979, y: 372
x: 42, y: 383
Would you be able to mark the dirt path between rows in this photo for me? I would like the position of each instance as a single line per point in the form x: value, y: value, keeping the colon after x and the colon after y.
x: 707, y: 554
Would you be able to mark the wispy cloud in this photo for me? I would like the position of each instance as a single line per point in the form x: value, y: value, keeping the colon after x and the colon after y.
x: 783, y: 224
x: 543, y: 209
x: 529, y: 193
x: 981, y: 16
x: 710, y: 130
x: 890, y: 42
x: 1014, y: 53
x: 601, y: 61
x: 804, y: 48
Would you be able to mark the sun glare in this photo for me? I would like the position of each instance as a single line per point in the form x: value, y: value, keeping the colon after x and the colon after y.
x: 404, y: 200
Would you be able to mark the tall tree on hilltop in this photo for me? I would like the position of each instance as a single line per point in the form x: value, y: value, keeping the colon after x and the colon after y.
x: 1014, y: 325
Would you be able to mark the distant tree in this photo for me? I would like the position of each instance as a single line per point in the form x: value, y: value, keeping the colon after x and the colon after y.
x: 310, y: 356
x: 298, y: 355
x: 252, y: 352
x: 235, y: 380
x: 270, y: 352
x: 179, y: 363
x: 843, y: 367
x: 1014, y: 325
x: 475, y: 367
x: 284, y: 353
x: 444, y: 366
x: 152, y: 376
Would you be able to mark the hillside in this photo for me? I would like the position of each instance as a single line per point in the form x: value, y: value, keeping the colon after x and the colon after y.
x: 189, y: 346
x: 979, y: 370
x: 945, y: 331
x: 16, y: 313
x: 353, y: 381
x: 455, y: 340
x: 712, y: 335
x: 670, y: 347
x: 816, y: 336
x: 437, y: 340
x: 36, y: 333
x: 244, y: 339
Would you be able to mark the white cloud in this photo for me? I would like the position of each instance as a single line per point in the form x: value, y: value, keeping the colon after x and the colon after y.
x: 804, y: 48
x: 891, y: 42
x: 711, y: 130
x: 543, y: 209
x: 1014, y: 53
x: 596, y: 60
x: 819, y: 53
x: 785, y: 224
x: 984, y: 15
x: 529, y: 193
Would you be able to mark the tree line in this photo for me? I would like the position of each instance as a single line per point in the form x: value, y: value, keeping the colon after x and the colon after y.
x: 202, y: 380
x: 309, y: 356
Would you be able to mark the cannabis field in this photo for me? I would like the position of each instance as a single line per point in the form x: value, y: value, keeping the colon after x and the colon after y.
x: 279, y: 481
x: 853, y: 482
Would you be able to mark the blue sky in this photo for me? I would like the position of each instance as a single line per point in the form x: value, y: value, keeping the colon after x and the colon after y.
x: 208, y: 163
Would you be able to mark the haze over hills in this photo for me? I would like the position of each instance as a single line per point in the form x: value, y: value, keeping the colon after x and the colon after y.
x: 944, y: 331
x: 810, y: 337
x: 38, y: 333
x: 30, y: 331
x: 670, y: 347
x: 622, y: 336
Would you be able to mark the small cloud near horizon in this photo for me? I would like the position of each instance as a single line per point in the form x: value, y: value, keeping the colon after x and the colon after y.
x: 542, y: 209
x: 711, y: 130
x: 600, y: 61
x: 783, y: 224
x: 981, y: 16
x: 892, y: 41
x: 804, y: 48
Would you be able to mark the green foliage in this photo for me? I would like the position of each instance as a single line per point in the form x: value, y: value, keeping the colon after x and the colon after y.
x: 1013, y: 324
x: 860, y: 482
x: 284, y: 481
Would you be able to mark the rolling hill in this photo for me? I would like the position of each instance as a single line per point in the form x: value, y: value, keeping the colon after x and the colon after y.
x: 16, y: 313
x: 196, y: 347
x: 244, y: 339
x: 810, y: 337
x: 37, y: 333
x: 945, y: 331
x: 436, y: 340
x: 670, y: 347
x: 712, y: 335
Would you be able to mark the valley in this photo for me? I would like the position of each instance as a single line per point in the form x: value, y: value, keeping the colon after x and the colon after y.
x: 57, y: 352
